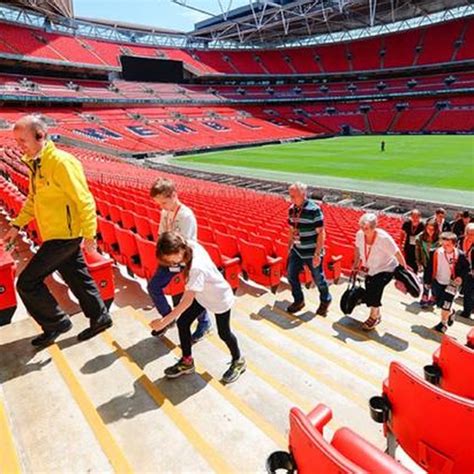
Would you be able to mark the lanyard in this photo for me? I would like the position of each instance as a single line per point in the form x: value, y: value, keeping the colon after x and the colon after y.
x: 368, y: 248
x: 296, y: 216
x: 171, y: 221
x: 452, y: 266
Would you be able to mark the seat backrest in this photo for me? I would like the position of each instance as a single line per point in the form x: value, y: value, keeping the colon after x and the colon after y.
x: 311, y: 452
x: 214, y: 253
x: 147, y: 252
x: 434, y: 427
x: 205, y: 234
x: 456, y: 362
x: 253, y: 255
x: 127, y: 242
x: 227, y: 244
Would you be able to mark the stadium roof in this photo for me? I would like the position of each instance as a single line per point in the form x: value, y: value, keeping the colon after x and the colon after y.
x: 278, y: 21
x: 47, y: 7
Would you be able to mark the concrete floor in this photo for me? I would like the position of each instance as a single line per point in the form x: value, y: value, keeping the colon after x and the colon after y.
x: 103, y: 405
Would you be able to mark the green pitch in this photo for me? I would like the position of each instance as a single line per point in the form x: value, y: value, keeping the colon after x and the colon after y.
x: 431, y: 161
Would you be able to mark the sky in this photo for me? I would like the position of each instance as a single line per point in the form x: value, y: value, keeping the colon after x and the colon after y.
x: 158, y: 13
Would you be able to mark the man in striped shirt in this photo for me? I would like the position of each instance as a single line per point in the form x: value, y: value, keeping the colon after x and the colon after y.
x: 306, y: 244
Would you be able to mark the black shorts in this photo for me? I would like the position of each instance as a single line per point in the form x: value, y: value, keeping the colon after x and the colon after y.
x: 374, y: 286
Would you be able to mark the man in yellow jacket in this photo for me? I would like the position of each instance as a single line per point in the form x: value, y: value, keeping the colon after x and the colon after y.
x: 60, y: 201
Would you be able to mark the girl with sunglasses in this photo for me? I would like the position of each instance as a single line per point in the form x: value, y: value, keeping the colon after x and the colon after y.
x: 206, y: 289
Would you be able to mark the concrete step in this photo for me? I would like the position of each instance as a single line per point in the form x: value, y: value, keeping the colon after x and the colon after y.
x: 104, y: 405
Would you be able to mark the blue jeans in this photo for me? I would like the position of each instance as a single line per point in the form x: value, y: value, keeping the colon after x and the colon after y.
x: 157, y: 284
x: 295, y: 267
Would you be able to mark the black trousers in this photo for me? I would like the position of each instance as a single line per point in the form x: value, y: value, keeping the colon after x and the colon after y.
x: 374, y: 286
x: 66, y: 257
x: 223, y: 329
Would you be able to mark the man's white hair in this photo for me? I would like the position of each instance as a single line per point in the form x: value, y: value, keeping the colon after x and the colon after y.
x: 469, y: 227
x: 34, y: 122
x: 302, y: 187
x: 368, y: 218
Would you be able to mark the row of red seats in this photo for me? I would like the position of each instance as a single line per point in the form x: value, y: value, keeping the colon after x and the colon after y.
x: 439, y: 43
x: 434, y: 424
x: 432, y: 420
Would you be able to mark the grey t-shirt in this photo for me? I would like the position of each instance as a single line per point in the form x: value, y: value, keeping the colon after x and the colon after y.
x: 183, y: 222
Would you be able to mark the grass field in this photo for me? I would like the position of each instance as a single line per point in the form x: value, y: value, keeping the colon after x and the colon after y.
x: 422, y: 161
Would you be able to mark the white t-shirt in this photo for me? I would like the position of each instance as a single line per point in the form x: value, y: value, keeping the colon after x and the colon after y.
x: 444, y: 266
x: 213, y: 292
x: 381, y: 254
x: 183, y: 222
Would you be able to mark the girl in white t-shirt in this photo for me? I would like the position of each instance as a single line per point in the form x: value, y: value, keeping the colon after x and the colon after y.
x: 376, y: 255
x: 206, y: 289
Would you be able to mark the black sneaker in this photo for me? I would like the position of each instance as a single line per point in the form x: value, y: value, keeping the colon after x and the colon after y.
x: 440, y: 327
x: 180, y: 368
x: 323, y: 308
x: 236, y: 369
x: 97, y: 326
x: 48, y: 337
x: 295, y: 307
x: 161, y: 332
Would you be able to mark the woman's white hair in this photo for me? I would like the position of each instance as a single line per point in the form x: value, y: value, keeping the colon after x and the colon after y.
x: 368, y: 218
x: 469, y: 227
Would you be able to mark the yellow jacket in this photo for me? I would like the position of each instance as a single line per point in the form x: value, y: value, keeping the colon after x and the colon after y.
x: 59, y: 198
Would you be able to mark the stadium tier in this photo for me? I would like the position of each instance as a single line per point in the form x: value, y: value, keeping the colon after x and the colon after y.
x: 448, y: 42
x: 121, y: 191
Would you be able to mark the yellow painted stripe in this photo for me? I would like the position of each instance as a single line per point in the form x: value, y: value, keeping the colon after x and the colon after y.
x: 366, y: 336
x: 351, y: 368
x: 330, y: 337
x: 304, y: 366
x: 200, y: 444
x: 248, y: 412
x: 291, y: 395
x: 9, y: 462
x: 109, y: 445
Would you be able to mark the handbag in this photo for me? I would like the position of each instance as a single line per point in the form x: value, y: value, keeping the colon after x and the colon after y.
x: 353, y: 296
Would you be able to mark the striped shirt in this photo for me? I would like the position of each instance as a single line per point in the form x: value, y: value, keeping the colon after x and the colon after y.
x: 305, y: 221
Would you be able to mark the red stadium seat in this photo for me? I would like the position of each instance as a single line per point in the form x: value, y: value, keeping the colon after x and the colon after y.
x: 129, y: 251
x: 346, y: 453
x: 228, y: 244
x: 128, y: 220
x: 147, y: 252
x: 259, y: 266
x: 434, y: 427
x: 8, y: 302
x: 453, y: 368
x: 143, y: 227
x: 108, y: 238
x: 101, y: 271
x: 229, y: 267
x: 115, y: 214
x: 205, y: 234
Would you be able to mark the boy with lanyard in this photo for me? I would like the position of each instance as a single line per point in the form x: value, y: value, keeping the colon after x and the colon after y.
x: 450, y: 267
x: 425, y: 245
x: 175, y: 217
